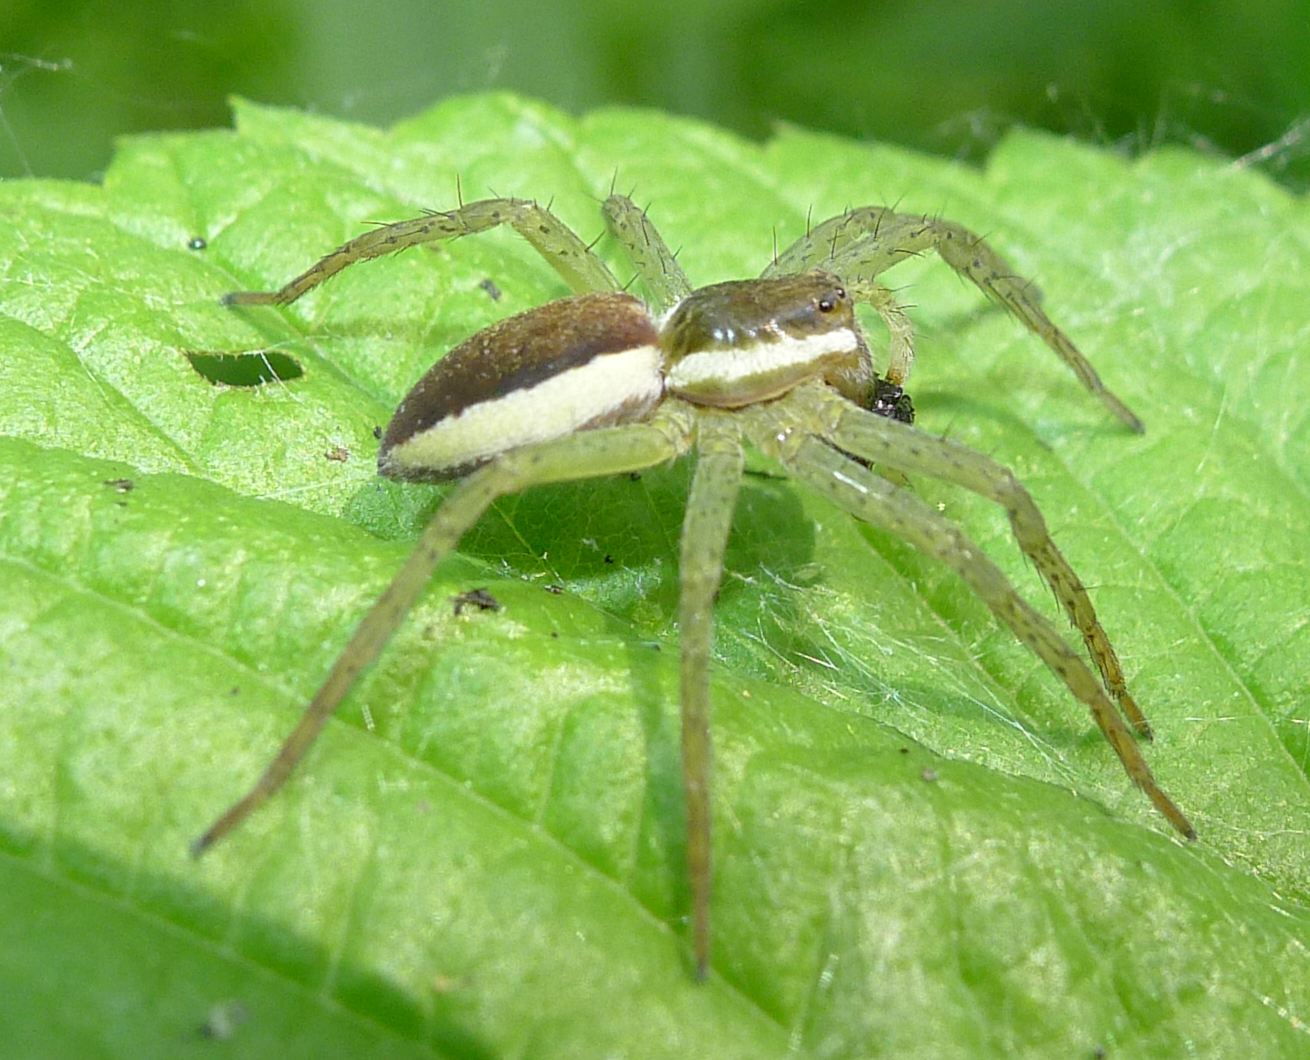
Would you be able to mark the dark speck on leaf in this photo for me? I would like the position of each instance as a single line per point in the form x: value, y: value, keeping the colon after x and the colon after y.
x: 479, y: 598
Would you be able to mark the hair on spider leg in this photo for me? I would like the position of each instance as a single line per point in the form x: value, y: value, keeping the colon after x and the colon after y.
x: 599, y: 385
x: 903, y: 305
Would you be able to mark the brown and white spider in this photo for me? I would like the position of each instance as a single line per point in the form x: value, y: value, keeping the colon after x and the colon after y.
x: 600, y: 384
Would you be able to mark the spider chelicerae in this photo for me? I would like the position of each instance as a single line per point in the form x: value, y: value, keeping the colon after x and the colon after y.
x: 601, y: 384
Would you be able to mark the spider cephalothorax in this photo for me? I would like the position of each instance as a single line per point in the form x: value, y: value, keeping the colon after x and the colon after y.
x: 601, y: 384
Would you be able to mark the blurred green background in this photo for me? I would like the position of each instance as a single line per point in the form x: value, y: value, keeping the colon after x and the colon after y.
x: 947, y: 76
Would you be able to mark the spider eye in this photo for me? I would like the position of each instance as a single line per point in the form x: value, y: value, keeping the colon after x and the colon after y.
x: 828, y: 302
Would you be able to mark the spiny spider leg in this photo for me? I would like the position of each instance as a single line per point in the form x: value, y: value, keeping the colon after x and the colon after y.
x: 823, y: 242
x: 887, y: 443
x: 704, y: 538
x: 589, y: 454
x: 889, y: 238
x: 656, y: 265
x: 870, y: 498
x: 567, y: 254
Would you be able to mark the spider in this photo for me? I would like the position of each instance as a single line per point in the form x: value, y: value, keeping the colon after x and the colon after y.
x: 600, y: 384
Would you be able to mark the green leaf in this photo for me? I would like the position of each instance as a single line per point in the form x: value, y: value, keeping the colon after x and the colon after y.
x: 922, y: 845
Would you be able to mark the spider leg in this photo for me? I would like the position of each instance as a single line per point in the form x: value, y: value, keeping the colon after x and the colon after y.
x: 861, y: 244
x: 588, y: 454
x: 881, y: 504
x: 566, y: 253
x: 890, y: 444
x: 704, y: 538
x: 823, y: 242
x: 656, y: 265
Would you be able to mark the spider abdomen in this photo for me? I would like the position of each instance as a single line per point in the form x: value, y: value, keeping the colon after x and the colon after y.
x: 573, y: 364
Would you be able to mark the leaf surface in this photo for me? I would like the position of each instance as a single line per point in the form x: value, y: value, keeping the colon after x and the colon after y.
x: 922, y: 845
